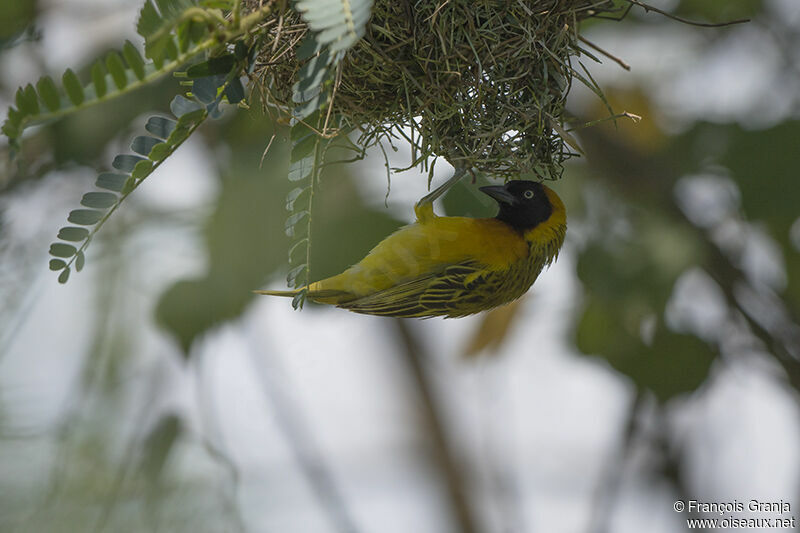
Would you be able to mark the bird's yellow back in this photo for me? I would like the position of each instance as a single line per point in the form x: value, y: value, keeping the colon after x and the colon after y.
x: 425, y: 247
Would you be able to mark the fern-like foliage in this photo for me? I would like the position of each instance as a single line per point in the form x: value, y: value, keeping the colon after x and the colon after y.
x: 157, y: 22
x: 174, y: 32
x: 308, y: 151
x: 211, y: 82
x: 167, y: 134
x: 115, y: 75
x: 336, y: 25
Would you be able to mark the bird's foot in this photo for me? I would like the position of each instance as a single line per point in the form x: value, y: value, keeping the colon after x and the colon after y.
x: 424, y: 208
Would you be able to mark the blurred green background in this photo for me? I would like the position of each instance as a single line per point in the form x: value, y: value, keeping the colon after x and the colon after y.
x: 658, y: 360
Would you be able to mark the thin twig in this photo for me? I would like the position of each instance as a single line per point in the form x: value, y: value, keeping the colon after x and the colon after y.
x: 609, y: 55
x: 648, y: 8
x: 608, y: 489
x: 432, y: 419
x: 126, y: 462
x: 264, y: 153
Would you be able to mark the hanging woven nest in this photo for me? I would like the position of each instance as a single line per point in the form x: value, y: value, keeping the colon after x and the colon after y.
x: 479, y: 83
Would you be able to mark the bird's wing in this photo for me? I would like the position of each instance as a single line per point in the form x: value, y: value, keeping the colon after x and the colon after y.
x: 434, y: 294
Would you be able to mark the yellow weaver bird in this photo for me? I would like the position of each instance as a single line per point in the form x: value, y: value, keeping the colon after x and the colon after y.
x: 453, y: 266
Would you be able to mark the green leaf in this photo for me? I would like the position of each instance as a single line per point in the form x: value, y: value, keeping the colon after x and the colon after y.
x: 183, y: 33
x: 157, y: 447
x: 300, y: 170
x: 295, y: 273
x: 347, y: 42
x: 64, y: 276
x: 220, y: 65
x: 173, y: 8
x: 134, y: 59
x: 299, y: 299
x: 205, y: 89
x: 139, y: 168
x: 310, y: 77
x: 103, y: 86
x: 187, y: 120
x: 668, y: 365
x: 143, y: 144
x: 340, y: 23
x: 73, y: 87
x: 181, y: 106
x: 214, y: 110
x: 85, y: 217
x: 304, y: 111
x: 160, y: 152
x: 142, y: 169
x: 180, y: 133
x: 293, y: 195
x: 110, y: 181
x: 116, y: 68
x: 48, y: 93
x: 677, y: 364
x: 27, y: 101
x: 59, y: 249
x: 149, y: 20
x: 292, y: 221
x: 20, y: 101
x: 234, y: 91
x: 157, y: 27
x: 99, y: 79
x: 248, y: 208
x: 10, y: 127
x: 126, y: 162
x: 171, y: 51
x: 130, y: 184
x: 160, y: 127
x: 57, y: 264
x: 309, y: 47
x: 99, y: 200
x: 307, y: 154
x: 304, y: 140
x: 197, y: 31
x: 240, y: 50
x: 73, y: 234
x: 15, y: 115
x: 313, y: 93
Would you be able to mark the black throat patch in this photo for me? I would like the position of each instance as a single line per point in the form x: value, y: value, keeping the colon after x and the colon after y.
x: 526, y: 213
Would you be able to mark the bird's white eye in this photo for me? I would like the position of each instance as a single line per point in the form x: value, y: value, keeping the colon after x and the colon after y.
x: 528, y: 194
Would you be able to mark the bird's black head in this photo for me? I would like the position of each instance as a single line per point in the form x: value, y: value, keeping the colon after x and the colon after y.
x: 523, y: 204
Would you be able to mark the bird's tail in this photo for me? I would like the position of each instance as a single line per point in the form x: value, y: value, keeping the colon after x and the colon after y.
x: 288, y: 294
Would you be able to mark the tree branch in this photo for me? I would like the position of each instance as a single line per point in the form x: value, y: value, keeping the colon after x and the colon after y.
x: 431, y: 419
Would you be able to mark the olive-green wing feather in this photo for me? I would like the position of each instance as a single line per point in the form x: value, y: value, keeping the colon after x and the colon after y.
x: 448, y: 292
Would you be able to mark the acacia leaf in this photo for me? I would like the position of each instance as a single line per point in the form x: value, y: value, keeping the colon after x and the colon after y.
x: 85, y: 217
x: 73, y: 87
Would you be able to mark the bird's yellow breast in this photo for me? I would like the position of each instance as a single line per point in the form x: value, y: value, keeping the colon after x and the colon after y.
x: 427, y: 247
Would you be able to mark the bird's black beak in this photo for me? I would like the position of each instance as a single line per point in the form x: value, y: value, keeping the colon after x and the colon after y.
x: 499, y: 193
